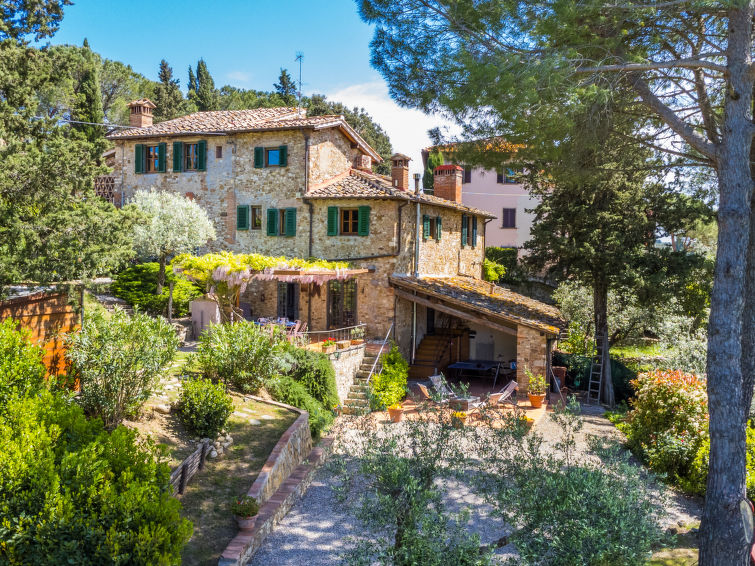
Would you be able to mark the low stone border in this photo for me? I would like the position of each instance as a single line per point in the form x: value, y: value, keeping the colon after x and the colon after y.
x: 283, y: 479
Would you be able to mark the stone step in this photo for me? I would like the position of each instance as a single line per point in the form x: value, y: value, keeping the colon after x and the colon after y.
x: 353, y: 395
x: 355, y: 410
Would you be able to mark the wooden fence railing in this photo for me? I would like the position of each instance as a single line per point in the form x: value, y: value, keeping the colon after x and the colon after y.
x: 190, y: 466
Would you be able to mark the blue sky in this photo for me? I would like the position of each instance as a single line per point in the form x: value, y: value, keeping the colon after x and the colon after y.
x: 245, y: 44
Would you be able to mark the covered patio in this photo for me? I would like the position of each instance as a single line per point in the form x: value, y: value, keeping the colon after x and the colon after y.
x: 472, y: 331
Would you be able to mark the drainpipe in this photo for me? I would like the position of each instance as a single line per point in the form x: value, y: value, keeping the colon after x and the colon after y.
x: 306, y: 191
x: 123, y: 167
x: 417, y: 191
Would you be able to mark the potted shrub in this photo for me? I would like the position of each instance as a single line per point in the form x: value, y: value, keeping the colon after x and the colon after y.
x: 357, y: 336
x: 396, y: 412
x: 245, y: 510
x: 328, y: 346
x: 458, y: 419
x: 535, y: 388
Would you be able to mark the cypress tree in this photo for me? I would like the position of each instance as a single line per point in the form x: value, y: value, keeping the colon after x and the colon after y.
x: 206, y: 97
x: 168, y: 97
x: 286, y: 87
x: 88, y: 105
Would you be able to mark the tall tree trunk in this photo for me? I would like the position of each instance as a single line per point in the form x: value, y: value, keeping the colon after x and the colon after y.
x: 600, y: 306
x: 722, y: 539
x: 161, y: 275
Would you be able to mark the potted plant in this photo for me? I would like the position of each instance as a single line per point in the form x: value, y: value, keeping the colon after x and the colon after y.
x: 245, y: 510
x: 357, y: 335
x: 458, y: 419
x: 535, y: 388
x: 396, y: 412
x: 328, y: 346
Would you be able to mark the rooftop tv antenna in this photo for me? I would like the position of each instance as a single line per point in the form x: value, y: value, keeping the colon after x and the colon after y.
x: 299, y: 58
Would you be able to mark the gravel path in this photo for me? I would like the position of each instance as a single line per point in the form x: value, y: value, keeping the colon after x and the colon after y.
x: 316, y: 530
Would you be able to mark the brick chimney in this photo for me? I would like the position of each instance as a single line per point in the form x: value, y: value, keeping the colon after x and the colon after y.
x: 363, y: 162
x: 447, y: 182
x: 140, y: 115
x: 400, y: 171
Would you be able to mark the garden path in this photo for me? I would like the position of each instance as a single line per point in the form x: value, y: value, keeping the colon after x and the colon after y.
x: 317, y: 529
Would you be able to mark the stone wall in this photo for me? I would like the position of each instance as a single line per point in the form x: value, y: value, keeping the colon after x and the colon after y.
x: 330, y: 154
x: 530, y: 352
x: 346, y: 364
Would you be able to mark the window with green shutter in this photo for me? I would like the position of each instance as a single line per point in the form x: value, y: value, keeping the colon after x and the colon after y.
x: 425, y: 226
x: 202, y: 155
x: 364, y: 220
x: 259, y: 157
x: 290, y: 222
x: 242, y: 217
x: 332, y: 221
x: 272, y: 221
x: 161, y: 151
x: 438, y: 227
x: 474, y: 231
x: 139, y: 158
x: 464, y: 229
x: 283, y: 161
x: 178, y: 151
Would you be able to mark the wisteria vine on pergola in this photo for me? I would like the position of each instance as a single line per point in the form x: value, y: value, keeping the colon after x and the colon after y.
x: 225, y: 275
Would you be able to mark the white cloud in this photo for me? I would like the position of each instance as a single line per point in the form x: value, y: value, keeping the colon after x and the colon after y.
x: 240, y: 77
x: 407, y: 128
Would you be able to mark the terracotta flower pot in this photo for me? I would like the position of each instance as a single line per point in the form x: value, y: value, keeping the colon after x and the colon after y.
x: 357, y: 341
x: 536, y: 400
x: 246, y: 523
x: 396, y: 415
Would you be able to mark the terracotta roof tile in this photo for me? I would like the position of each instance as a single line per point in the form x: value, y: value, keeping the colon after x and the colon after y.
x: 487, y: 299
x: 363, y: 185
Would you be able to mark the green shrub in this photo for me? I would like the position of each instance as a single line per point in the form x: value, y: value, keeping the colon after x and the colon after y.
x: 578, y: 373
x: 316, y: 373
x: 72, y: 493
x: 389, y: 386
x: 204, y: 406
x: 492, y: 271
x: 286, y: 390
x: 137, y: 285
x: 241, y: 354
x: 508, y: 258
x: 118, y: 361
x: 668, y: 421
x: 21, y: 367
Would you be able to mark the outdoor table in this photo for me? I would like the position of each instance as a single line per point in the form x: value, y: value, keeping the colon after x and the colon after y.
x: 476, y: 367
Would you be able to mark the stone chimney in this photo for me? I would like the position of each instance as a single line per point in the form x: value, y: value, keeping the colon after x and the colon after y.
x: 140, y: 115
x: 447, y: 182
x: 363, y: 162
x: 400, y: 171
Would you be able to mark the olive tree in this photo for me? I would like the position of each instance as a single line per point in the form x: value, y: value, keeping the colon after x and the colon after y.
x: 174, y: 225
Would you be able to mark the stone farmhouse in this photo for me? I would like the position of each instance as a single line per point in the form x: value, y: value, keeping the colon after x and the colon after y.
x: 278, y: 182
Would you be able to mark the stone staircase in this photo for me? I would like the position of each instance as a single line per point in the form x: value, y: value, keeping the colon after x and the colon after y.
x: 357, y: 401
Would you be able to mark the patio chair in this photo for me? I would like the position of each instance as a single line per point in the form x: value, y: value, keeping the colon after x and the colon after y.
x: 507, y: 394
x: 425, y: 395
x: 439, y: 384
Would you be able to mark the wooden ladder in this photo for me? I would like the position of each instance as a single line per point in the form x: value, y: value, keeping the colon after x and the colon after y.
x: 595, y: 385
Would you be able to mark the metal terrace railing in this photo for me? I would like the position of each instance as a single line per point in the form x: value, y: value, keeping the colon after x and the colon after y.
x: 337, y: 334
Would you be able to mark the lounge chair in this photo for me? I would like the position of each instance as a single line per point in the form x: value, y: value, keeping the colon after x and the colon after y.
x: 425, y: 395
x: 507, y: 394
x: 439, y: 384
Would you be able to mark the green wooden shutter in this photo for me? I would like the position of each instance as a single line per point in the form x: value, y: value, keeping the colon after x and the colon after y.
x: 178, y: 153
x: 202, y: 155
x: 464, y: 229
x: 242, y: 217
x: 161, y: 148
x: 438, y: 227
x: 474, y: 231
x: 364, y: 221
x: 272, y: 221
x: 290, y: 222
x: 259, y: 157
x: 332, y: 221
x: 283, y: 155
x: 139, y: 158
x: 425, y: 226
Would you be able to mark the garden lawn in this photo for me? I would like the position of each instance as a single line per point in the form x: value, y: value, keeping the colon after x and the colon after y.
x: 682, y: 551
x: 206, y: 501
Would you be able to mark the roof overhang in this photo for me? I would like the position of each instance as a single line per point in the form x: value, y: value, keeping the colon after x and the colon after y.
x: 500, y: 320
x: 317, y: 276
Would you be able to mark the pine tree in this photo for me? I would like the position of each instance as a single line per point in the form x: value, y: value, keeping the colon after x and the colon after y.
x: 205, y: 95
x: 286, y: 88
x: 168, y: 97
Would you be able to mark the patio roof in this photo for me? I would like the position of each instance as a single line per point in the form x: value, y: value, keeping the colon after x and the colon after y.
x: 479, y: 301
x: 317, y: 276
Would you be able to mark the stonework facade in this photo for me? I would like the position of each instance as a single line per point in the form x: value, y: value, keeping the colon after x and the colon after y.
x: 531, y: 350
